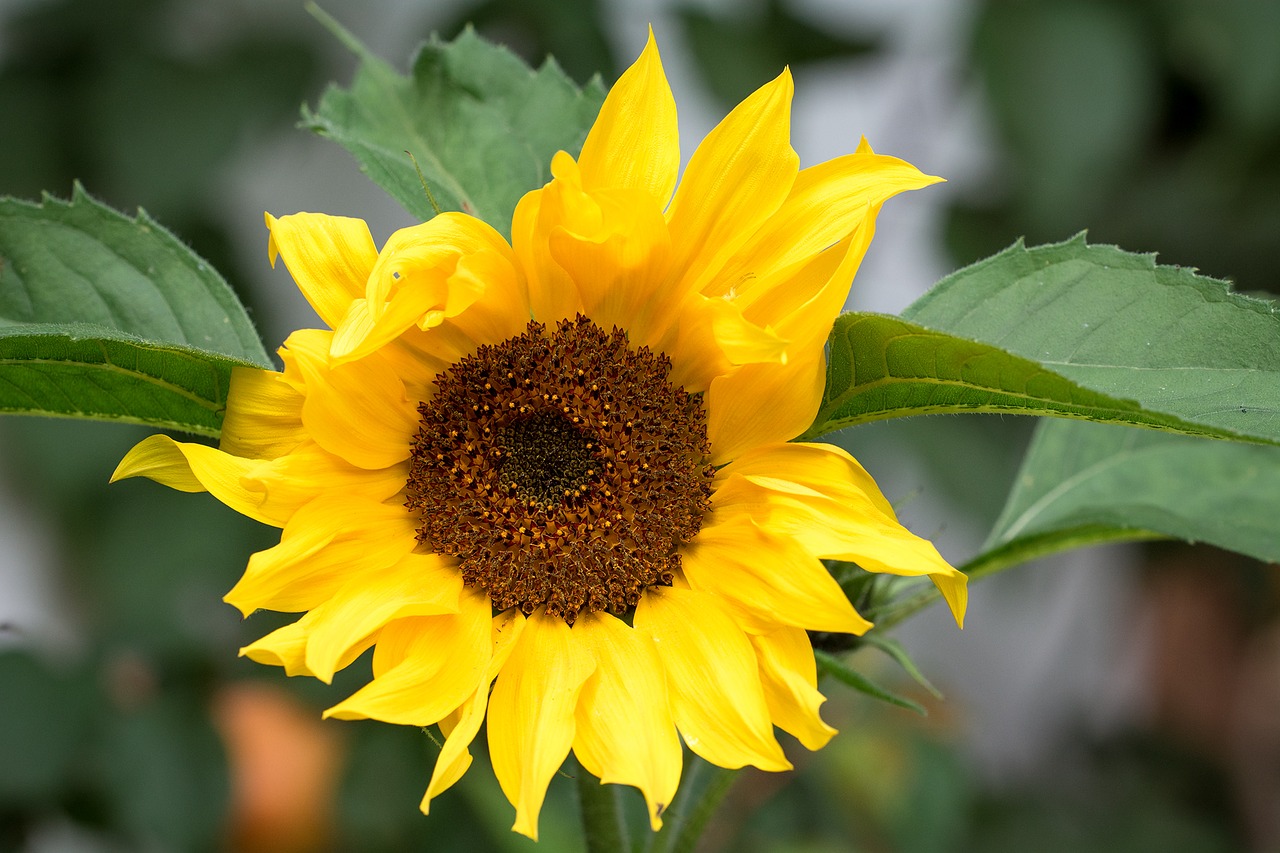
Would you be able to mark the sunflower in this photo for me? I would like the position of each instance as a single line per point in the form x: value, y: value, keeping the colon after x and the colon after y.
x: 550, y: 482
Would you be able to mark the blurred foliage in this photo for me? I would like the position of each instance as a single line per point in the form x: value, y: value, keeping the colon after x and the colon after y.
x: 1155, y: 123
x: 739, y: 47
x: 573, y: 31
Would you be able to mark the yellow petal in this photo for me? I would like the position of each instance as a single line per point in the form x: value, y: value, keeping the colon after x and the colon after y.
x: 634, y: 142
x: 287, y: 647
x: 831, y: 511
x: 444, y: 659
x: 775, y: 401
x: 461, y: 727
x: 803, y: 300
x: 617, y: 257
x: 197, y: 468
x: 329, y: 257
x: 625, y: 733
x: 762, y: 404
x: 790, y: 679
x: 325, y: 543
x: 264, y: 415
x: 713, y: 679
x: 310, y: 471
x: 826, y: 204
x: 418, y: 585
x: 824, y: 468
x: 767, y: 577
x: 426, y: 275
x: 735, y: 181
x: 358, y: 411
x: 709, y: 337
x: 531, y: 713
x: 552, y: 293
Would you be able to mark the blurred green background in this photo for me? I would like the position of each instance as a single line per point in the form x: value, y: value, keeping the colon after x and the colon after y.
x: 127, y: 722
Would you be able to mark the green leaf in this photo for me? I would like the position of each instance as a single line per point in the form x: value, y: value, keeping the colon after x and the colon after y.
x: 840, y: 671
x: 894, y: 649
x: 480, y: 124
x: 1068, y: 329
x: 1086, y: 481
x: 103, y: 316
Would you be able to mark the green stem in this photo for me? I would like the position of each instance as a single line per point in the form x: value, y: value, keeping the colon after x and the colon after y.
x: 601, y: 818
x: 693, y: 808
x: 997, y: 560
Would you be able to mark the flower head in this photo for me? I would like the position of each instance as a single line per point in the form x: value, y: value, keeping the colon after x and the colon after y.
x: 551, y: 482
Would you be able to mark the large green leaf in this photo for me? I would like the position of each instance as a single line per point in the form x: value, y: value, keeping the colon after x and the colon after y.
x: 103, y: 316
x: 1085, y: 484
x: 1091, y: 480
x: 1068, y: 329
x: 480, y: 124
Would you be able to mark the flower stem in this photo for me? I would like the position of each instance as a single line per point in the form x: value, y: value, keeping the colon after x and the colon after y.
x: 997, y: 560
x: 701, y: 793
x: 601, y: 818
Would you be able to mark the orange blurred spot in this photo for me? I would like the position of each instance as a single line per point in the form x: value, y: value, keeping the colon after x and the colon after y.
x: 284, y: 762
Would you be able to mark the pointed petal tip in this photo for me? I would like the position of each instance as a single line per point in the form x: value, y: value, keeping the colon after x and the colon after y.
x: 526, y: 827
x: 245, y: 611
x: 273, y: 252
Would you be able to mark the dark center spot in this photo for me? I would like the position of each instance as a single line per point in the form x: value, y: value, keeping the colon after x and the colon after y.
x: 544, y: 457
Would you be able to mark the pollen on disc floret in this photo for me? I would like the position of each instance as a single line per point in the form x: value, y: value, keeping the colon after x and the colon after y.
x: 561, y: 469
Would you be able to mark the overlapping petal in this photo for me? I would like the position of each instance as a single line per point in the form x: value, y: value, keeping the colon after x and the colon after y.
x: 461, y: 726
x: 735, y: 181
x: 429, y: 274
x: 329, y: 257
x: 634, y: 143
x: 532, y: 713
x: 625, y: 732
x: 417, y: 585
x: 266, y: 420
x: 716, y: 697
x: 819, y: 497
x: 326, y: 543
x: 191, y: 467
x: 425, y: 666
x: 790, y: 679
x: 359, y: 411
x: 767, y: 578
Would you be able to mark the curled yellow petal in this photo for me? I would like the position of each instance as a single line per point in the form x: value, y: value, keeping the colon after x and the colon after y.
x: 418, y: 585
x: 197, y: 468
x: 329, y: 257
x: 325, y: 544
x: 264, y: 415
x: 285, y: 647
x: 359, y: 411
x: 768, y: 578
x: 425, y: 275
x: 827, y: 203
x: 822, y: 499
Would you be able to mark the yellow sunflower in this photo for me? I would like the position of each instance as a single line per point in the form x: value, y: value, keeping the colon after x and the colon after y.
x: 549, y: 481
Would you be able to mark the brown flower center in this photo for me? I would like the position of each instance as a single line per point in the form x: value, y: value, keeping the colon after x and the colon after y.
x: 561, y: 469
